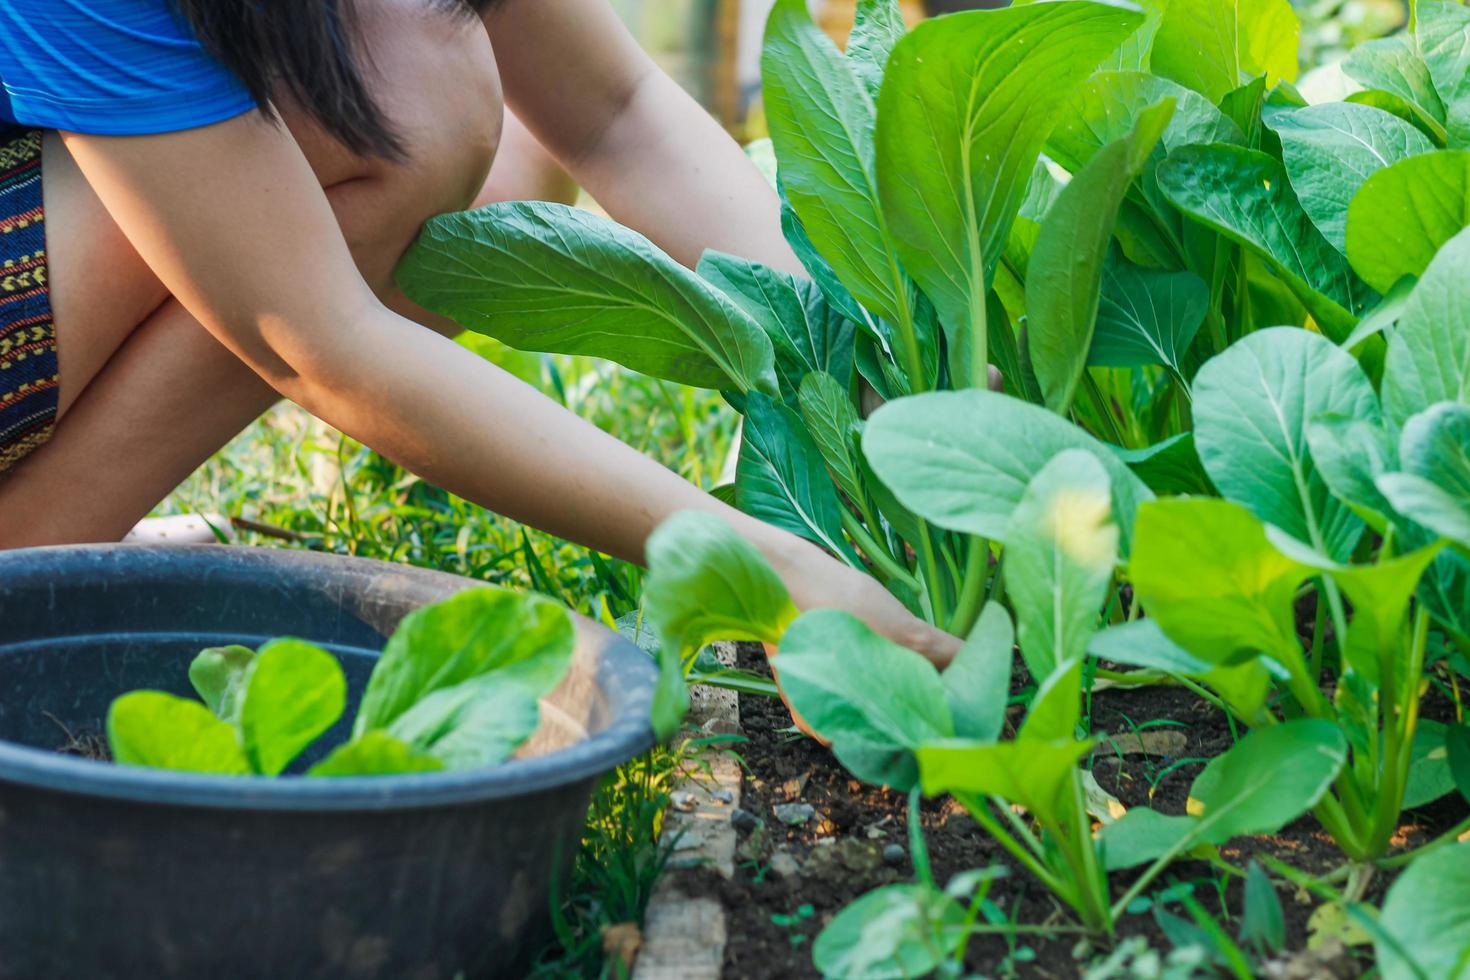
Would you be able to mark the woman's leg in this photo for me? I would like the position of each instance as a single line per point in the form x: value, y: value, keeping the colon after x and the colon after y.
x: 147, y: 394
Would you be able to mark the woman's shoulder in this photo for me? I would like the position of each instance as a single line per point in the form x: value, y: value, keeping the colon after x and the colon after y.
x: 111, y: 68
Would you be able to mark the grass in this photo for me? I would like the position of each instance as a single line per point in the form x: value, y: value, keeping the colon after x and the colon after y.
x: 291, y: 481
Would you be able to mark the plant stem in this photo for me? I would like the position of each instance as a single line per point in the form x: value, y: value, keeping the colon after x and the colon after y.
x: 980, y: 810
x: 1318, y: 627
x: 938, y: 607
x: 875, y: 552
x: 972, y: 587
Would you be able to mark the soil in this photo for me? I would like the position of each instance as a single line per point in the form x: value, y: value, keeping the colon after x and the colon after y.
x: 86, y: 743
x: 773, y: 919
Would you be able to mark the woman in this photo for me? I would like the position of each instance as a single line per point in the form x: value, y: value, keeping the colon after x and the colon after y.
x: 201, y: 204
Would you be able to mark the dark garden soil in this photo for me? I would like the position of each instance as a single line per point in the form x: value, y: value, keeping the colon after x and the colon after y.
x: 840, y: 850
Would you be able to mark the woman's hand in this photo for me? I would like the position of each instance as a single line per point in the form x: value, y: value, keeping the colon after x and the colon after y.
x: 818, y: 581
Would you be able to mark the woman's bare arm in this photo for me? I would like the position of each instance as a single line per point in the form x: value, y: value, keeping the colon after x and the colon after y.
x: 637, y: 142
x: 231, y: 219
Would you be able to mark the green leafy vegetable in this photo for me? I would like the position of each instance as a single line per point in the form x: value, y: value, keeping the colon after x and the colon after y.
x: 1253, y: 405
x: 525, y: 640
x: 1331, y: 150
x: 781, y: 478
x: 220, y: 674
x: 375, y: 754
x: 1405, y: 212
x: 963, y: 459
x: 1429, y: 354
x: 1245, y: 195
x: 1064, y: 276
x: 1146, y: 316
x: 966, y: 106
x: 150, y: 728
x: 705, y: 583
x: 1427, y: 915
x: 875, y: 700
x: 1214, y: 46
x: 295, y: 691
x: 546, y: 277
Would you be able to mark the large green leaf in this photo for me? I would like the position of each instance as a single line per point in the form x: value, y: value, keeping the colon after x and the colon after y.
x: 1215, y: 46
x: 295, y: 692
x: 522, y: 638
x: 1142, y: 643
x: 1442, y: 28
x: 888, y: 934
x: 874, y: 699
x: 877, y: 27
x: 1271, y: 777
x: 375, y: 754
x: 705, y: 583
x: 1405, y: 212
x: 477, y: 722
x: 1206, y: 572
x: 963, y: 459
x: 1252, y: 406
x: 1427, y: 916
x: 150, y: 728
x: 546, y: 277
x: 1429, y: 353
x: 1331, y: 149
x: 1169, y: 467
x: 821, y: 119
x: 1061, y: 546
x: 977, y: 682
x: 807, y: 333
x: 819, y: 268
x: 1434, y: 490
x: 1141, y: 835
x: 1245, y: 195
x: 1380, y: 595
x: 1106, y: 108
x: 1064, y: 276
x: 1430, y: 777
x: 1265, y: 781
x: 832, y: 420
x: 965, y: 108
x: 1033, y: 773
x: 1349, y: 455
x: 781, y: 478
x: 1393, y: 66
x: 220, y: 674
x: 1146, y: 316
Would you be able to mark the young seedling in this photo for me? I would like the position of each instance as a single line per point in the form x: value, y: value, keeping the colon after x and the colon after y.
x: 457, y: 687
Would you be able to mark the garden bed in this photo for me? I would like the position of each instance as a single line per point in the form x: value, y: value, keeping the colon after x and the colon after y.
x: 773, y: 917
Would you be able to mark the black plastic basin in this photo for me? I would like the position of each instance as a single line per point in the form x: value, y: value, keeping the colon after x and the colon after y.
x: 113, y: 871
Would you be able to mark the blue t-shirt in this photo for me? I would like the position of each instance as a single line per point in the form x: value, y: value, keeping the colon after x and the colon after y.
x: 109, y: 68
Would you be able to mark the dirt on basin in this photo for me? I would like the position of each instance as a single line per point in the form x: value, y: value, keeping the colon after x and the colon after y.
x: 791, y: 879
x: 85, y: 743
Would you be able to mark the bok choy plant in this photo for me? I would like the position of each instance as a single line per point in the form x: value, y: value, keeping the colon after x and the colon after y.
x: 1094, y: 200
x: 1364, y: 494
x: 456, y: 687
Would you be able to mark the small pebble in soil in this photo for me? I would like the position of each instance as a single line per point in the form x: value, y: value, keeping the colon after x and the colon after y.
x: 721, y: 726
x: 785, y: 865
x: 722, y: 796
x: 682, y: 801
x: 743, y: 820
x: 894, y: 854
x: 793, y: 814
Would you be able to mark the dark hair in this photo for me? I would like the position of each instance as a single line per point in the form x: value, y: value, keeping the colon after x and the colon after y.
x: 309, y: 48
